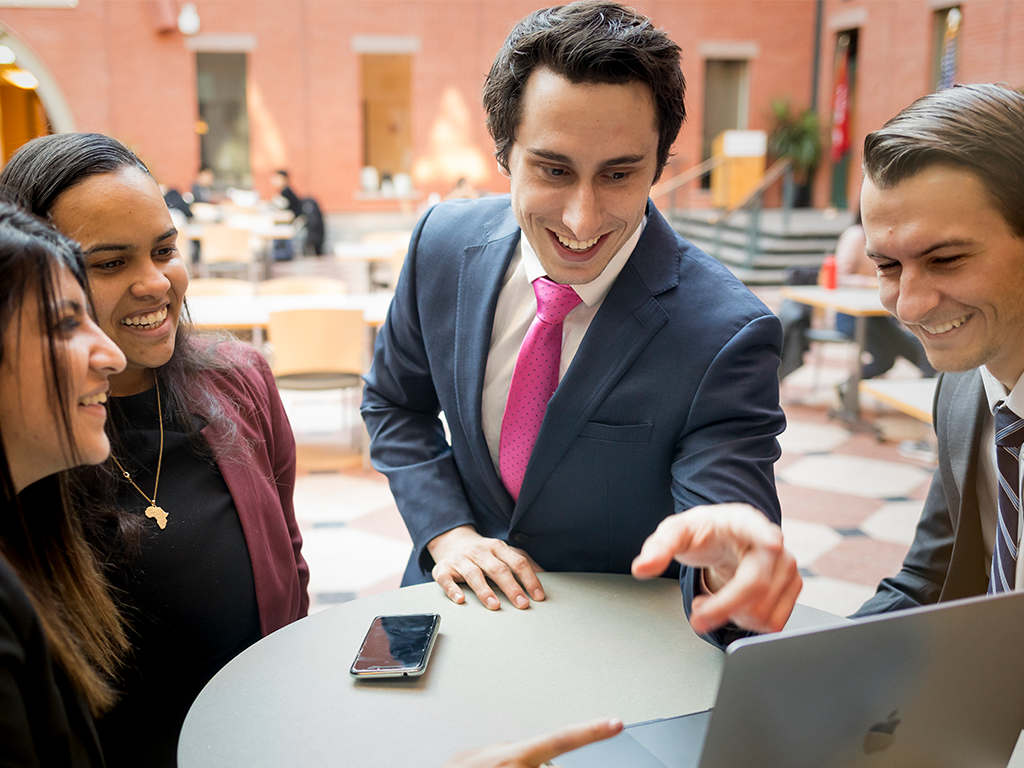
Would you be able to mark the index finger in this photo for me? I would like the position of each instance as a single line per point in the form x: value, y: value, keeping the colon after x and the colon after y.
x: 540, y: 750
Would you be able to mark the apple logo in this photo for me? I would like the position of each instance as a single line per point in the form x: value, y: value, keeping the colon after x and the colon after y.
x: 880, y: 736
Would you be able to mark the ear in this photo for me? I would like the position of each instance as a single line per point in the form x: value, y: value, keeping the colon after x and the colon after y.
x: 504, y: 171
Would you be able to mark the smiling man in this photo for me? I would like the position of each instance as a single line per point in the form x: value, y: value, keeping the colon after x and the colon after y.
x: 944, y: 223
x: 598, y: 373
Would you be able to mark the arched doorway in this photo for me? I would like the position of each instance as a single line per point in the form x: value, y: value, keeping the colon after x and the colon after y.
x: 31, y: 102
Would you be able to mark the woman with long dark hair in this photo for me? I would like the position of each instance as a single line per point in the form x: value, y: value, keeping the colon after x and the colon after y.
x: 193, y: 512
x: 60, y: 633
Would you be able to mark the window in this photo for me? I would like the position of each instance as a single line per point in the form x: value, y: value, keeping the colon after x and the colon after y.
x: 946, y: 49
x: 725, y: 103
x: 224, y: 117
x: 387, y: 115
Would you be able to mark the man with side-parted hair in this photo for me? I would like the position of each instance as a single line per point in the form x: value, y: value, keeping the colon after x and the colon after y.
x: 598, y: 373
x: 944, y: 221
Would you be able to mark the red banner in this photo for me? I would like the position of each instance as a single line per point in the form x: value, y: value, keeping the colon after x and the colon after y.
x: 841, y: 106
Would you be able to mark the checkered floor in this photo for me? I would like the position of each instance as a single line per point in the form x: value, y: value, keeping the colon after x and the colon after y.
x: 850, y: 503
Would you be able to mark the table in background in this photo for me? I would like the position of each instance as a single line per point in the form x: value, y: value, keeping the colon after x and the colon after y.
x: 861, y: 303
x: 600, y: 645
x: 252, y: 313
x: 910, y: 396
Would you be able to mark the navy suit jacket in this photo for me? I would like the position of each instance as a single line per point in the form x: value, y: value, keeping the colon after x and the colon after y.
x: 947, y: 558
x: 671, y: 401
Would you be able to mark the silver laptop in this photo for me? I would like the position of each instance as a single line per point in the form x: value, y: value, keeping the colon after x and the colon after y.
x: 939, y: 686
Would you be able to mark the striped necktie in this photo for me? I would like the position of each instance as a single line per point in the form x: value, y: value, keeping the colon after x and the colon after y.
x: 1009, y: 435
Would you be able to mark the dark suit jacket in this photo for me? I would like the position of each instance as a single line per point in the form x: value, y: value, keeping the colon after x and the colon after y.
x: 947, y: 558
x: 671, y: 401
x: 43, y: 719
x: 259, y: 470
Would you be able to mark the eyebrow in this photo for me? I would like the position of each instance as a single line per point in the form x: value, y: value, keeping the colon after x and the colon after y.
x: 560, y: 158
x: 74, y: 306
x: 120, y: 247
x: 956, y: 242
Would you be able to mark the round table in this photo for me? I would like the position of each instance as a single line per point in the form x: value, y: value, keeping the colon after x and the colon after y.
x: 600, y: 645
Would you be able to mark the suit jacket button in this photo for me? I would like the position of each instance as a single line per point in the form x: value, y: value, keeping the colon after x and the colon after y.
x: 520, y: 538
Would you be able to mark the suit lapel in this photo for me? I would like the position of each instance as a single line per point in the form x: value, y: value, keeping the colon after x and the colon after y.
x: 965, y: 414
x: 481, y: 273
x: 628, y: 319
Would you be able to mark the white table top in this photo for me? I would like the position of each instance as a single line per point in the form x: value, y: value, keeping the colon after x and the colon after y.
x: 244, y: 312
x: 850, y: 301
x: 910, y: 396
x: 600, y: 645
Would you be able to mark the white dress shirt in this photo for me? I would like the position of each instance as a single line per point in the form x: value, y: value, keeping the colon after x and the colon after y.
x: 988, y: 483
x: 515, y: 311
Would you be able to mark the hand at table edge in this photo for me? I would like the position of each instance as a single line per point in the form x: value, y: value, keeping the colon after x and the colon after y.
x: 750, y: 577
x: 532, y: 753
x: 463, y: 555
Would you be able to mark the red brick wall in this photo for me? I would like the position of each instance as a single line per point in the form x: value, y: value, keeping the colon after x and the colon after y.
x: 122, y: 77
x: 895, y: 61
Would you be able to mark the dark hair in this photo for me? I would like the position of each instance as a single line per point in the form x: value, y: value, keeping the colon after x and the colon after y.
x: 40, y: 536
x: 593, y: 41
x: 34, y: 178
x: 979, y: 128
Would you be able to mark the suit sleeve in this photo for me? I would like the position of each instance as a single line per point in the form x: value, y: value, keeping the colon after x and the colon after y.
x: 402, y: 414
x: 728, y: 451
x: 926, y: 567
x: 924, y: 571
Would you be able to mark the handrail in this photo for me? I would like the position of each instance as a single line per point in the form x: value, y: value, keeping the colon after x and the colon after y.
x: 769, y: 178
x: 681, y: 179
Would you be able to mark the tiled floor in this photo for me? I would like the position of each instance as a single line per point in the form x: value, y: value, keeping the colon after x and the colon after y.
x: 849, y: 503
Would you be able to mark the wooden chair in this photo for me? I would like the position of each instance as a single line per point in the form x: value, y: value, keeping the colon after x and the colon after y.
x: 289, y: 285
x: 222, y: 246
x: 317, y: 349
x: 219, y: 286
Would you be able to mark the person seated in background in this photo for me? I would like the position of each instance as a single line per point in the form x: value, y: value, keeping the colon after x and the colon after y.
x: 668, y: 401
x: 462, y: 190
x: 885, y: 338
x: 202, y: 189
x: 313, y: 226
x: 193, y: 511
x: 281, y: 182
x: 61, y: 639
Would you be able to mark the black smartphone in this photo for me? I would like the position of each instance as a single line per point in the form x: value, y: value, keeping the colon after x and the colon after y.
x: 397, y: 646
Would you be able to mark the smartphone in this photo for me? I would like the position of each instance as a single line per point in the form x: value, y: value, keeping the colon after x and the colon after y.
x: 397, y: 646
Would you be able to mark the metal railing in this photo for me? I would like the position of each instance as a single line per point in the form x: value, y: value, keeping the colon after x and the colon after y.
x: 752, y: 202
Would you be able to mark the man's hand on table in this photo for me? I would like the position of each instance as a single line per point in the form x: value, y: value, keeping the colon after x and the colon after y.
x: 536, y: 752
x: 463, y: 555
x: 752, y: 579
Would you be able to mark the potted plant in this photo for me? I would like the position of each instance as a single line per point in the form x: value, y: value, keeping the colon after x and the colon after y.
x: 796, y: 136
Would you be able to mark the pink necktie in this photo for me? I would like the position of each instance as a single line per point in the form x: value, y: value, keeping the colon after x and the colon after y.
x: 534, y: 380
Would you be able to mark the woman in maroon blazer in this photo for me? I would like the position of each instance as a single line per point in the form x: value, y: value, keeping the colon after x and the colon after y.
x: 194, y: 509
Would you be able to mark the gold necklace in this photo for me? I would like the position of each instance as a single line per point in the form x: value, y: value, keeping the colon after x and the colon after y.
x: 152, y: 511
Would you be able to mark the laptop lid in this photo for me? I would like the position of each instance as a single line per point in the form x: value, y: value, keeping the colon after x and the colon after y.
x: 937, y: 686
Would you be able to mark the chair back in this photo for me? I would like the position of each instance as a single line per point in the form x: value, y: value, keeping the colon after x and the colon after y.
x: 220, y: 243
x: 290, y: 285
x: 219, y: 286
x: 317, y: 342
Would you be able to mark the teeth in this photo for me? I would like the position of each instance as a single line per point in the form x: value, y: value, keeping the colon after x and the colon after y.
x: 99, y: 399
x: 151, y: 320
x: 576, y: 245
x: 946, y: 327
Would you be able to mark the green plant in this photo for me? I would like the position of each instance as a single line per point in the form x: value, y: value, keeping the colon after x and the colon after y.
x: 796, y: 136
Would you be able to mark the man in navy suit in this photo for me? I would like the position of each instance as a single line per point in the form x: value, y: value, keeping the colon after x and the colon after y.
x: 667, y: 393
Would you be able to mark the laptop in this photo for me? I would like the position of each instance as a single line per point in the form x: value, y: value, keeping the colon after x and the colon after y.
x: 938, y: 686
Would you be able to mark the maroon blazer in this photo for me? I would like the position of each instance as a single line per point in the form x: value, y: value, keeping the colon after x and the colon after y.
x: 259, y: 469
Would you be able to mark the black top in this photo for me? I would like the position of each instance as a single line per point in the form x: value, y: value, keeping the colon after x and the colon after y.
x: 189, y: 597
x: 43, y: 719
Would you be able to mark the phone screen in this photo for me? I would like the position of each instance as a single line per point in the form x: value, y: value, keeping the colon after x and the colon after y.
x: 397, y: 646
